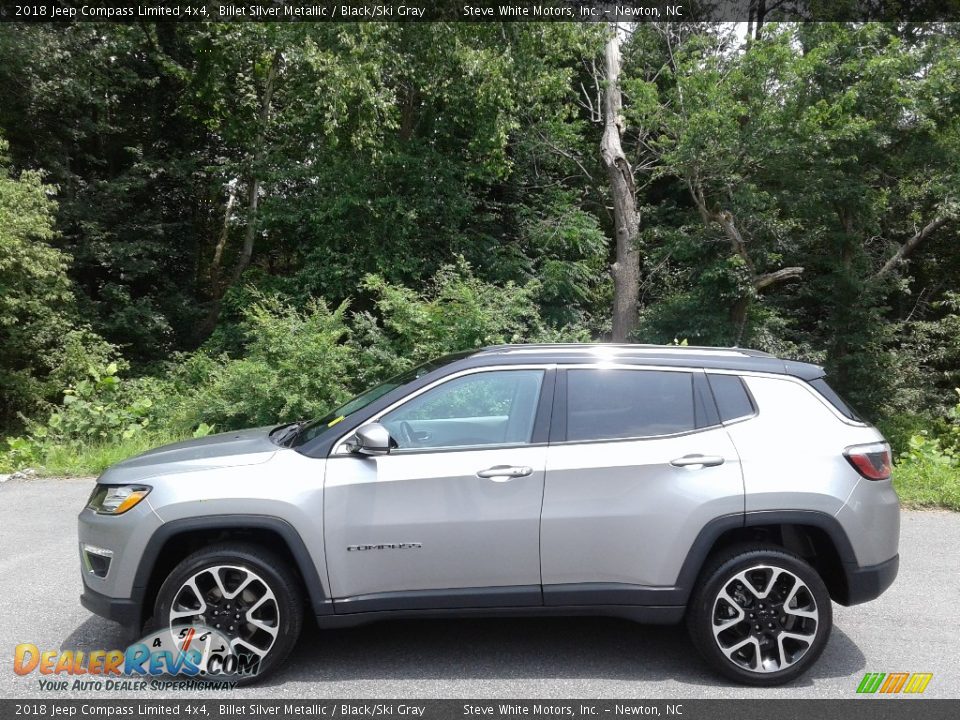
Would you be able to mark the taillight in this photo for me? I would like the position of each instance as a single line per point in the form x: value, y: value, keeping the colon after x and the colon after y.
x: 872, y: 461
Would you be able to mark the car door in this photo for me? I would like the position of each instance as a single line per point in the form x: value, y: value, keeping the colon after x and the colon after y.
x: 450, y: 517
x: 638, y: 464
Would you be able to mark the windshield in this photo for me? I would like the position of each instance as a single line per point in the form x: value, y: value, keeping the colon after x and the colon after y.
x: 315, y: 428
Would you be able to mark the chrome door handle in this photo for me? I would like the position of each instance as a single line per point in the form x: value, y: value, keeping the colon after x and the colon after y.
x: 502, y: 473
x: 695, y: 462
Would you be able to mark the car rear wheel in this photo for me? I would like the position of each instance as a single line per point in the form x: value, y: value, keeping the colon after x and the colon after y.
x: 760, y: 615
x: 246, y: 594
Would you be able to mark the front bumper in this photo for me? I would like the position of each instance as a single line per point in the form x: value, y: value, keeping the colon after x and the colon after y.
x: 868, y: 583
x: 125, y: 611
x: 109, y: 585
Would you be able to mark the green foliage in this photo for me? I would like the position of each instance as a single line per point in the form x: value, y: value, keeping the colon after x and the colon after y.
x: 100, y: 414
x: 79, y: 354
x: 237, y: 187
x: 457, y: 311
x: 97, y: 409
x: 898, y: 429
x: 295, y: 364
x: 928, y: 475
x: 298, y: 362
x: 21, y: 452
x: 927, y: 472
x: 929, y: 357
x: 34, y: 289
x: 203, y: 430
x: 87, y: 459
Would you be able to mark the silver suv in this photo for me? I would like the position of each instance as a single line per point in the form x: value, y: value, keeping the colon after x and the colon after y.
x: 723, y: 487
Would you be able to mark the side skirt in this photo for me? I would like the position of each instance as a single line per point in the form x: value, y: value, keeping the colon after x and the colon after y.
x: 647, y: 614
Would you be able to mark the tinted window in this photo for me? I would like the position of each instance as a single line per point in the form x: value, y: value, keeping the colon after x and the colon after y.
x: 605, y: 404
x: 732, y: 398
x: 485, y: 408
x: 318, y: 427
x: 703, y: 404
x: 831, y: 395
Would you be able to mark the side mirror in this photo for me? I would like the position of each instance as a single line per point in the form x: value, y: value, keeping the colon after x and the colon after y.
x: 372, y: 439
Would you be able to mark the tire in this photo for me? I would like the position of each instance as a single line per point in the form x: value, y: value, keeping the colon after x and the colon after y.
x: 760, y: 615
x: 260, y: 588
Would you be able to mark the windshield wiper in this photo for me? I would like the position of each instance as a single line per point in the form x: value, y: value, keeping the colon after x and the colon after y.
x: 282, y: 433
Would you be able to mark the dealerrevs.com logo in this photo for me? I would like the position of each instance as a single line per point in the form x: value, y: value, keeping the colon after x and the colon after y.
x: 893, y: 683
x: 181, y: 658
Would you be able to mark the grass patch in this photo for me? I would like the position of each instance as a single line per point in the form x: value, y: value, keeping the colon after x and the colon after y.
x: 66, y: 461
x: 928, y: 485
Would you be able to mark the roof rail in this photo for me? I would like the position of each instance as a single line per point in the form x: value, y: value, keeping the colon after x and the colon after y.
x: 627, y: 347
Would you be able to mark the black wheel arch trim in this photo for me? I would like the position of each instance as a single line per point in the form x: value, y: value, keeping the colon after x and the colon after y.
x: 308, y: 571
x: 711, y: 532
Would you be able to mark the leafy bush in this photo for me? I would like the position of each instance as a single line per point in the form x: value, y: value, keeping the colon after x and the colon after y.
x: 899, y: 428
x: 21, y: 452
x: 929, y: 357
x: 99, y: 411
x: 289, y: 362
x: 35, y: 293
x: 297, y: 363
x: 928, y: 475
x: 80, y: 354
x: 456, y: 311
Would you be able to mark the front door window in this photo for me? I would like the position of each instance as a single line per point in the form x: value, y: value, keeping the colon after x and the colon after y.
x: 485, y: 408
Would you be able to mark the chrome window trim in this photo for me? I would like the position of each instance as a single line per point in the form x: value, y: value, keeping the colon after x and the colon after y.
x: 635, y: 438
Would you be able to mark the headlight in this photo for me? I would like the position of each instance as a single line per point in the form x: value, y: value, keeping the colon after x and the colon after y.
x: 116, y: 499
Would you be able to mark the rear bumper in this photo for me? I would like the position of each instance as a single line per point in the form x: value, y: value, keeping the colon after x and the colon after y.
x: 121, y: 610
x: 867, y: 583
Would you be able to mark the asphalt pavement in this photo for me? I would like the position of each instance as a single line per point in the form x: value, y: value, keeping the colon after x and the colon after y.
x: 913, y: 627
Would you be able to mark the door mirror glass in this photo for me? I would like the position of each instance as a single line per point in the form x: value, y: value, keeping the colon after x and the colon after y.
x: 372, y: 439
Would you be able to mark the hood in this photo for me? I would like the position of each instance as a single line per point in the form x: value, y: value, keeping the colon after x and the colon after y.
x: 230, y: 449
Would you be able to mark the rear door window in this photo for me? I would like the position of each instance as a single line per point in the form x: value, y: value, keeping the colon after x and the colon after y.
x: 611, y: 403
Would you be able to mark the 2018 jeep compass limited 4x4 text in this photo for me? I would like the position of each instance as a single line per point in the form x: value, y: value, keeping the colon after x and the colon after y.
x: 723, y: 487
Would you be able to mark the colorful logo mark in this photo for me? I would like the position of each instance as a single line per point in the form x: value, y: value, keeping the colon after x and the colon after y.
x: 892, y: 683
x: 190, y: 651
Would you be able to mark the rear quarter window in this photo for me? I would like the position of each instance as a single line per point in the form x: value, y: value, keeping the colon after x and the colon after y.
x: 821, y: 386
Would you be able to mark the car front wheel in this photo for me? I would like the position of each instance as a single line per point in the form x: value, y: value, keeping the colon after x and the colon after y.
x: 760, y: 615
x: 245, y: 594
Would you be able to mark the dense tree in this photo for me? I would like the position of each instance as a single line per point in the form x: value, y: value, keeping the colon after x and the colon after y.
x: 797, y: 188
x: 34, y: 289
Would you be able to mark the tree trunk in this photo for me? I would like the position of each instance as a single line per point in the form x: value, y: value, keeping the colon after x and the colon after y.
x: 253, y: 192
x: 740, y: 310
x: 253, y: 202
x: 910, y: 245
x: 224, y: 236
x: 626, y: 268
